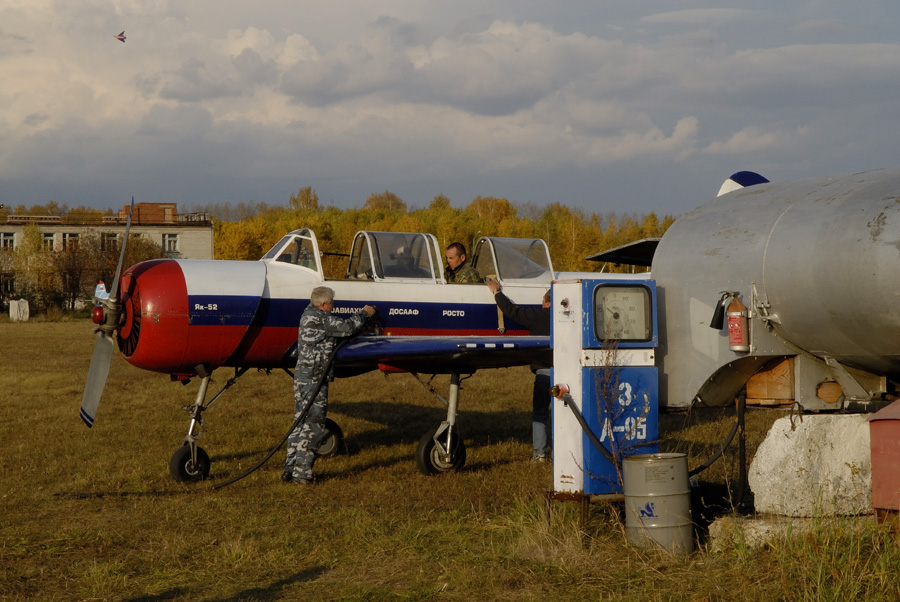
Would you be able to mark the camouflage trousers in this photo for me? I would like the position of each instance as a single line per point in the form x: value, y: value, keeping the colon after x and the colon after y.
x: 304, y: 440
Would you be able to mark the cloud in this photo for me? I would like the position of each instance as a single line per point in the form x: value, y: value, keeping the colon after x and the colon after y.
x: 700, y: 16
x: 754, y: 139
x: 221, y: 98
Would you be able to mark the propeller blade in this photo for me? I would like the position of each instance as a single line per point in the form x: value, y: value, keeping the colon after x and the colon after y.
x: 103, y: 348
x: 96, y: 379
x: 115, y: 283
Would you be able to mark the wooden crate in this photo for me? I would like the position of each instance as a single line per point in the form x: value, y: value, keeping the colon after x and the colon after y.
x: 773, y: 384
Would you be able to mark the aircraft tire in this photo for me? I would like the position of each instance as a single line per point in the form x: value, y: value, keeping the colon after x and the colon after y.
x: 332, y: 442
x: 182, y: 469
x: 429, y: 460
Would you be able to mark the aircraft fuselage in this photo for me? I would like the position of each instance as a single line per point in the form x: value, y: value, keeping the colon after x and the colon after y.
x: 182, y: 313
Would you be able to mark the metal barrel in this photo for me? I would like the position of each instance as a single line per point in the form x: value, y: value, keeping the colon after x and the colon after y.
x: 658, y: 501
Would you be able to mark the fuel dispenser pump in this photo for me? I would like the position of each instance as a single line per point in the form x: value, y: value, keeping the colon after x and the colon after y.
x: 604, y: 338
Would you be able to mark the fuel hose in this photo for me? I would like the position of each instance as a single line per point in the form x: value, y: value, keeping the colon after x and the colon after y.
x: 300, y: 417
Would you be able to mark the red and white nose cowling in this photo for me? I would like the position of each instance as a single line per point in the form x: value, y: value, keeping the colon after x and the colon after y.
x: 155, y: 315
x: 181, y: 313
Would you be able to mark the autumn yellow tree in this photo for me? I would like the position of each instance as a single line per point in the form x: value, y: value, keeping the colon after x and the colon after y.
x: 570, y: 233
x: 246, y: 240
x: 306, y: 198
x: 386, y: 201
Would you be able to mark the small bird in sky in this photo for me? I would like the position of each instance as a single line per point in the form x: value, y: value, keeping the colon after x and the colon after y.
x: 121, y: 37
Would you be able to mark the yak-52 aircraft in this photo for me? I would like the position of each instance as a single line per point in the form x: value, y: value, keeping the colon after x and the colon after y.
x: 188, y: 318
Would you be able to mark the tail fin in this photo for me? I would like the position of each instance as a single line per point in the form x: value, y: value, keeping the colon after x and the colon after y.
x: 739, y: 180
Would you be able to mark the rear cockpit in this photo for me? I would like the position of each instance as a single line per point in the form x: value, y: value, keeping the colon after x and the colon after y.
x: 394, y: 256
x: 525, y: 260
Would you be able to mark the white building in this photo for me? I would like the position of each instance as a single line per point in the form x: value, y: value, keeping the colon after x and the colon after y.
x: 188, y: 236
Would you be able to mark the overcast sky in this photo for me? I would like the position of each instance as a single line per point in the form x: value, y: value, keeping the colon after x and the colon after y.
x: 606, y: 106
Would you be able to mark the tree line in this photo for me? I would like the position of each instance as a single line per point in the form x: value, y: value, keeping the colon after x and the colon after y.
x: 571, y: 234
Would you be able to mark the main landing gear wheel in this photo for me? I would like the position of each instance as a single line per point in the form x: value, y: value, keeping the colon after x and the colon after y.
x: 333, y: 441
x: 433, y: 457
x: 184, y: 469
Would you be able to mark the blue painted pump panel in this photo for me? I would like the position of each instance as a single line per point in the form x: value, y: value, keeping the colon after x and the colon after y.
x: 620, y: 405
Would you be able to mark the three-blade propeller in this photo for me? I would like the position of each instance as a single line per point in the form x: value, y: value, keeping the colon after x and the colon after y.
x: 106, y: 314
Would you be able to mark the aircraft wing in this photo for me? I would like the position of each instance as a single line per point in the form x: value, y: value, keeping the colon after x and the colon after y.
x: 442, y: 354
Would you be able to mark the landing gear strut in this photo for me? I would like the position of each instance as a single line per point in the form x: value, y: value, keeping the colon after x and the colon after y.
x: 442, y: 449
x: 190, y: 462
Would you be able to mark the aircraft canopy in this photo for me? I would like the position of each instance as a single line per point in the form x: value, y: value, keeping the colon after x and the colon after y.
x: 512, y: 259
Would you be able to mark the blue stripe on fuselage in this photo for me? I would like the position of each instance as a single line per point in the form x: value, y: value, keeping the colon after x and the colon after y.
x: 221, y: 310
x: 232, y: 310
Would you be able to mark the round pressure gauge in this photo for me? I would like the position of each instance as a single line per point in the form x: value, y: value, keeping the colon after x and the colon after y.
x: 622, y: 313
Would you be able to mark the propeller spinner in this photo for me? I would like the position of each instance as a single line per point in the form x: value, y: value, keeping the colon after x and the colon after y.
x: 106, y: 315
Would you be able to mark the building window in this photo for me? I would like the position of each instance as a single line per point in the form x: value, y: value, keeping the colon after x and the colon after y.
x: 7, y: 240
x: 49, y: 240
x: 108, y: 241
x: 170, y: 243
x: 70, y: 239
x: 7, y: 285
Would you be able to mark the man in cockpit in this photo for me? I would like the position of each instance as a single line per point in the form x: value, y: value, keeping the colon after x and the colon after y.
x: 458, y: 270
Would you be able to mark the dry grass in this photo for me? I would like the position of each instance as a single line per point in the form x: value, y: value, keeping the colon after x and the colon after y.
x: 93, y: 514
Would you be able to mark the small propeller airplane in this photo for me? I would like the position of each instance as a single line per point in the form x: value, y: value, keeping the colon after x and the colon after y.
x: 188, y: 318
x: 121, y: 37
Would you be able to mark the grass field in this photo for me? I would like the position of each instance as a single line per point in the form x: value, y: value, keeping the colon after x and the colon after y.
x: 93, y: 514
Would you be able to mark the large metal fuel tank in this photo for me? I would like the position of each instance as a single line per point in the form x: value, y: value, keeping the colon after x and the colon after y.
x: 815, y: 261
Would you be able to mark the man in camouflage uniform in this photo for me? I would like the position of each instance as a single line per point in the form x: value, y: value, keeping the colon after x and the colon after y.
x: 318, y: 335
x: 458, y: 270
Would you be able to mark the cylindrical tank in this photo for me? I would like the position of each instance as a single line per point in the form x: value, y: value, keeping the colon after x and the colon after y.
x: 658, y: 501
x: 816, y: 263
x: 830, y: 270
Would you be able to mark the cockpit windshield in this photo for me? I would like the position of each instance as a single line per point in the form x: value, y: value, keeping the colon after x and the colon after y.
x: 297, y: 248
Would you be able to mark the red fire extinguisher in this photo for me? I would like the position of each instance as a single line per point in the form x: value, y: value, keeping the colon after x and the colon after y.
x: 738, y: 326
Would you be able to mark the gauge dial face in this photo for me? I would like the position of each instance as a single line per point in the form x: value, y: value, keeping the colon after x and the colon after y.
x: 622, y: 313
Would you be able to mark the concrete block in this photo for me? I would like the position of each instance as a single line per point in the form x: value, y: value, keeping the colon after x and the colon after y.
x: 819, y: 466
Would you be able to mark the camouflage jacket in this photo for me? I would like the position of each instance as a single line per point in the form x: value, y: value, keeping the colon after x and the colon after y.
x: 464, y: 274
x: 319, y: 333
